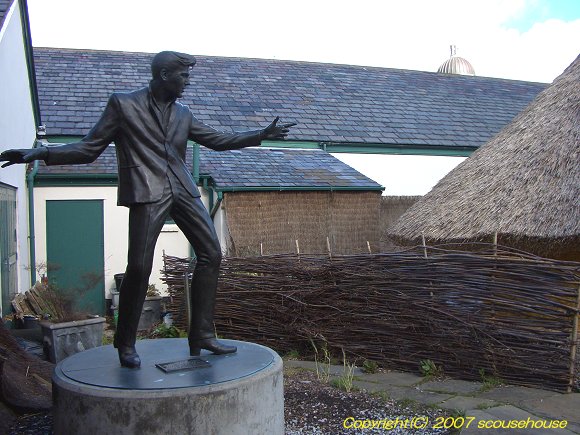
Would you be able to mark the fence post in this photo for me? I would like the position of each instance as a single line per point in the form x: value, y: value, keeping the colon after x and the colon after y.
x: 424, y: 244
x: 187, y: 292
x: 574, y: 344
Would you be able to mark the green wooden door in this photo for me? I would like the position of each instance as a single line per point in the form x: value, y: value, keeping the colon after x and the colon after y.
x: 8, y: 244
x: 75, y: 251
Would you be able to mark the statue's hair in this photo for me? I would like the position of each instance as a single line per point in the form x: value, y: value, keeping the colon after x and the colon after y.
x: 170, y: 60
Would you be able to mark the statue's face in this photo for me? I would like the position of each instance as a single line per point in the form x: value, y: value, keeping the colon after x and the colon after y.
x: 175, y: 81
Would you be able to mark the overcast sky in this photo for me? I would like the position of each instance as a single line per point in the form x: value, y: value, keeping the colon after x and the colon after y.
x: 531, y: 40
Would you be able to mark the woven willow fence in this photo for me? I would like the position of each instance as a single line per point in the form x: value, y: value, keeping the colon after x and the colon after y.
x: 502, y: 313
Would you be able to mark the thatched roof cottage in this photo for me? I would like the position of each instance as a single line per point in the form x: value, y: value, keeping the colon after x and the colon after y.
x: 523, y: 184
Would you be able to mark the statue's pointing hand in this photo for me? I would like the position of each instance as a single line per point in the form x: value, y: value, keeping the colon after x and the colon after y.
x: 274, y: 131
x: 12, y: 157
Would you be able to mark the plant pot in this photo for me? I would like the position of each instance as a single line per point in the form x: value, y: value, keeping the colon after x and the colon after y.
x: 30, y: 322
x: 118, y: 280
x: 115, y: 298
x: 151, y: 313
x: 61, y: 340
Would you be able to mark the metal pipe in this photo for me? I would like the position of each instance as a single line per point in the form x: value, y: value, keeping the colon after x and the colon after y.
x: 215, y: 208
x: 31, y: 239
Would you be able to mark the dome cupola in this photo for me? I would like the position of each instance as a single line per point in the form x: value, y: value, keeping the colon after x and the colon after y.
x: 456, y: 65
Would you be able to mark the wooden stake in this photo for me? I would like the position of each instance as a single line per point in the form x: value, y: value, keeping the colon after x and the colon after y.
x: 424, y: 244
x: 369, y: 247
x: 297, y: 248
x: 187, y: 286
x: 261, y: 249
x: 328, y: 247
x: 574, y: 344
x: 495, y: 244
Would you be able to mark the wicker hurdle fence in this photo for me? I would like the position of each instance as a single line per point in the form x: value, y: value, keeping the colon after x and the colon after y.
x: 498, y: 311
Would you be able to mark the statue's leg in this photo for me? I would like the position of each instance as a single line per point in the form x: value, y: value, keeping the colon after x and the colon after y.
x: 193, y: 219
x: 145, y: 224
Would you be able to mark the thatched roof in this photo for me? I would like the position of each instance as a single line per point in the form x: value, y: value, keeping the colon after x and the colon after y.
x: 524, y: 184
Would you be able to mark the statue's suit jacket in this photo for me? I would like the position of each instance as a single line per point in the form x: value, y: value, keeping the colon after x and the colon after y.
x: 146, y: 148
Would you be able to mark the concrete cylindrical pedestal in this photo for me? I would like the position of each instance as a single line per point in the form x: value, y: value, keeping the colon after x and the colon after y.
x: 239, y: 393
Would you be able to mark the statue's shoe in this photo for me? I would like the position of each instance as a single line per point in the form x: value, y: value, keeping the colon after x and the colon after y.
x: 211, y: 344
x: 128, y: 357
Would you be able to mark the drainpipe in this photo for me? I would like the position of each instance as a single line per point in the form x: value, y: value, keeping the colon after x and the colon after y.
x: 215, y: 208
x: 195, y: 169
x: 30, y: 185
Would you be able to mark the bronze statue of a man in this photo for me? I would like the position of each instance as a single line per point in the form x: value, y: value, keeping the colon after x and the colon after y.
x: 150, y: 130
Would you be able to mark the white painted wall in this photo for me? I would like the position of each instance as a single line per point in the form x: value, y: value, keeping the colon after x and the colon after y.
x: 17, y: 125
x: 116, y: 223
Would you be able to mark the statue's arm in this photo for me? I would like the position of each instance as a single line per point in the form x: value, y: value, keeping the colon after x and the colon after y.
x: 12, y: 157
x: 93, y: 144
x: 220, y: 141
x: 85, y: 151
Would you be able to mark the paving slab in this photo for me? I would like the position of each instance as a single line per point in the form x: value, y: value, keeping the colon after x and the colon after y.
x: 371, y: 387
x: 452, y: 386
x: 562, y: 406
x: 399, y: 379
x: 466, y: 404
x: 516, y: 395
x: 423, y: 397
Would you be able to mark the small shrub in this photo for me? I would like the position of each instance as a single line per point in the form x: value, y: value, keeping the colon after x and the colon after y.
x: 369, y: 366
x: 489, y: 382
x: 164, y: 331
x: 322, y: 368
x: 293, y: 354
x: 152, y: 291
x: 429, y: 369
x: 344, y: 382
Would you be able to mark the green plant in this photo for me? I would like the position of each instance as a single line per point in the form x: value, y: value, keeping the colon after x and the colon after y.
x: 489, y: 382
x: 164, y: 331
x: 383, y: 395
x: 152, y: 291
x: 369, y: 366
x: 429, y: 369
x: 322, y: 368
x: 344, y: 382
x: 292, y: 354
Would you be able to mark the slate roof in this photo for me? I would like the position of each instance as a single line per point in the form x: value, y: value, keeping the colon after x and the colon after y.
x: 4, y: 7
x: 249, y: 168
x: 331, y: 103
x: 260, y: 167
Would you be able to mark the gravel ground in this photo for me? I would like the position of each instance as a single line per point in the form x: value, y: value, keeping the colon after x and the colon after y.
x: 315, y: 408
x: 312, y: 408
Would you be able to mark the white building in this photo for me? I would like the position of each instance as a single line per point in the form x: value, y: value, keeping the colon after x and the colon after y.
x: 19, y: 116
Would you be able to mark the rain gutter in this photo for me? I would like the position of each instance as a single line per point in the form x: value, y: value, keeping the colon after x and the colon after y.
x: 299, y: 188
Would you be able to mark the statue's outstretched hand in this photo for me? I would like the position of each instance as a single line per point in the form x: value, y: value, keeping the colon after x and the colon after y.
x: 274, y: 131
x: 12, y: 157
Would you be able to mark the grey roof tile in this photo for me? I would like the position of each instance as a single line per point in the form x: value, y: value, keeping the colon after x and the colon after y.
x: 4, y: 7
x: 330, y: 102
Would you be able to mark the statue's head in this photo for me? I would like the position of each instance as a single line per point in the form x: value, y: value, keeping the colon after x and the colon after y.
x: 171, y: 61
x: 170, y: 70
